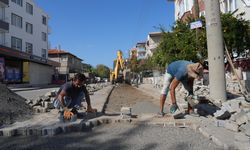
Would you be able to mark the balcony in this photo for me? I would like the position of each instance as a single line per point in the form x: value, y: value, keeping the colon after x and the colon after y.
x: 4, y: 2
x: 4, y: 26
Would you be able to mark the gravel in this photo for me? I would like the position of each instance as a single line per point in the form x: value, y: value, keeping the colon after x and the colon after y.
x: 12, y: 107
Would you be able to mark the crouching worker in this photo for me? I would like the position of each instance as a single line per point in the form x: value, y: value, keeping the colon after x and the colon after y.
x: 70, y: 96
x: 179, y: 71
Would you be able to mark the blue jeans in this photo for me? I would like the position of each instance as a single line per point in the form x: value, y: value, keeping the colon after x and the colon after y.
x: 69, y: 102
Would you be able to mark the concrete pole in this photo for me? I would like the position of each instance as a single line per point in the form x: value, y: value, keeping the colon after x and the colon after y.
x: 217, y: 81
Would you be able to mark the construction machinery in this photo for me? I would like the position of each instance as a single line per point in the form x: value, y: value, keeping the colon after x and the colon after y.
x: 117, y: 76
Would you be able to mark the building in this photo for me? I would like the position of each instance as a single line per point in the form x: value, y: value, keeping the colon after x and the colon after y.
x: 153, y: 40
x: 185, y: 8
x: 141, y: 50
x: 24, y: 43
x: 69, y: 63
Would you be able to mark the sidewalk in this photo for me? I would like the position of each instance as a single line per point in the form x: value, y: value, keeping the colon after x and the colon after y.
x: 27, y: 87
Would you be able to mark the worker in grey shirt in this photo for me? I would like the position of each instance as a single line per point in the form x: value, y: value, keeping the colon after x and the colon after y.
x: 70, y: 96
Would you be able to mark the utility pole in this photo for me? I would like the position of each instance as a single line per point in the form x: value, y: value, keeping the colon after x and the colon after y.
x: 215, y: 51
x: 197, y: 30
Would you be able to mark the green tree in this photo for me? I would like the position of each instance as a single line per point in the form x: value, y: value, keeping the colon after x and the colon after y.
x: 102, y: 71
x: 236, y: 31
x: 181, y: 42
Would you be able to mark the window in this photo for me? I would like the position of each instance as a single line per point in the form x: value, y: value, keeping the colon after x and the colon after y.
x: 44, y: 36
x: 44, y: 20
x: 230, y: 5
x: 29, y: 48
x: 29, y: 28
x: 29, y: 8
x: 247, y: 2
x: 19, y: 2
x: 16, y: 20
x: 16, y: 43
x: 44, y: 53
x: 64, y: 58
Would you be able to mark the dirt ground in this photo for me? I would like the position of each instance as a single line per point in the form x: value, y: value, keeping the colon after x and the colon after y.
x: 12, y: 107
x: 125, y: 95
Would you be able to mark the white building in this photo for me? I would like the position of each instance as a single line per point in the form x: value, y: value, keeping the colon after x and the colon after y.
x: 24, y: 42
x: 184, y: 8
x: 153, y: 40
x: 141, y: 50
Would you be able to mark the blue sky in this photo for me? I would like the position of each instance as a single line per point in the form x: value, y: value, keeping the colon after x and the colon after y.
x: 94, y: 30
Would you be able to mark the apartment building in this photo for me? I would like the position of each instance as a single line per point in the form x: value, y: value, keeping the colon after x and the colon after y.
x: 69, y: 63
x: 141, y: 50
x: 24, y: 43
x: 153, y: 40
x: 185, y: 8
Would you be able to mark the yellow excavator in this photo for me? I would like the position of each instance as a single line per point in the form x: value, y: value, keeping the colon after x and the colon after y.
x: 116, y: 76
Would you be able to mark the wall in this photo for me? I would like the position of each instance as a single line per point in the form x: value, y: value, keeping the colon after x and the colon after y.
x: 40, y: 74
x: 35, y: 20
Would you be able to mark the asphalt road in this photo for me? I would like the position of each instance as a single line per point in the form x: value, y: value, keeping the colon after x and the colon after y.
x: 113, y: 137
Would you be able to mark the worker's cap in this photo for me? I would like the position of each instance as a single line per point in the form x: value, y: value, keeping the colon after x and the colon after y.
x: 195, y: 70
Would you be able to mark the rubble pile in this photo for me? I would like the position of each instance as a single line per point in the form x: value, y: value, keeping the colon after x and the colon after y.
x: 234, y: 115
x: 12, y: 107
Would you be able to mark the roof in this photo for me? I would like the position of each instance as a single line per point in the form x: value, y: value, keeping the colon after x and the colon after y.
x: 155, y: 34
x: 59, y: 51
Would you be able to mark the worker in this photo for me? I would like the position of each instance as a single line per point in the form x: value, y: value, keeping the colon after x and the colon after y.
x: 179, y: 71
x: 70, y: 96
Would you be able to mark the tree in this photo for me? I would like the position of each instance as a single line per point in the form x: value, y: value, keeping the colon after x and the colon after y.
x: 181, y: 42
x: 102, y: 71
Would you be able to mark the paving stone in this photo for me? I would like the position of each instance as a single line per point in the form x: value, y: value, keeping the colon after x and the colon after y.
x: 244, y: 127
x: 9, y: 132
x: 219, y: 123
x: 222, y: 114
x: 126, y: 110
x: 242, y: 146
x: 241, y: 118
x: 232, y: 106
x: 247, y: 132
x: 241, y: 137
x: 51, y: 131
x: 48, y: 105
x: 73, y: 127
x: 218, y: 134
x: 230, y: 125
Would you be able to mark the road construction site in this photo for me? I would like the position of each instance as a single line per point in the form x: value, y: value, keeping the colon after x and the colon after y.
x: 127, y: 119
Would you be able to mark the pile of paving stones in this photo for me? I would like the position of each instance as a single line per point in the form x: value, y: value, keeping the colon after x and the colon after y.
x: 12, y: 107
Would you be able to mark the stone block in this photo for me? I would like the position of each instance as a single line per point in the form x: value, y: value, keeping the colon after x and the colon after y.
x: 247, y: 132
x: 232, y: 106
x: 242, y: 146
x: 219, y: 123
x: 244, y: 127
x: 231, y: 126
x: 9, y: 132
x: 241, y: 137
x: 222, y: 114
x: 48, y: 105
x: 51, y: 131
x: 241, y: 118
x: 126, y: 110
x: 74, y: 127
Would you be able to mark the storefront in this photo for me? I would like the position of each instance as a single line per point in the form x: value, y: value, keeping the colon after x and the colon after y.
x: 21, y: 67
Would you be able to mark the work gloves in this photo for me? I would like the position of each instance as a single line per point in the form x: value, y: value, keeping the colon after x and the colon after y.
x: 67, y: 114
x: 173, y: 108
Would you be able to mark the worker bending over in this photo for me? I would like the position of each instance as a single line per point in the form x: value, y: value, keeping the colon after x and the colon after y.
x: 179, y: 71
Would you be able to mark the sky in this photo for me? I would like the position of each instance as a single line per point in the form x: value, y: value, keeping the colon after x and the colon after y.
x: 94, y: 30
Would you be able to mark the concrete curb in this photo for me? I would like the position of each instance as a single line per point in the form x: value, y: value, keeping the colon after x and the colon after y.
x: 107, y: 98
